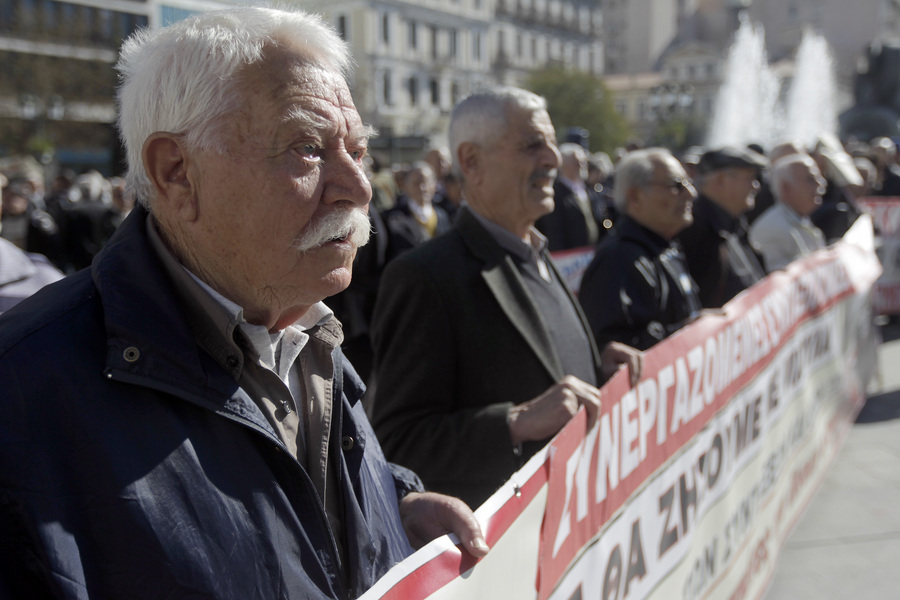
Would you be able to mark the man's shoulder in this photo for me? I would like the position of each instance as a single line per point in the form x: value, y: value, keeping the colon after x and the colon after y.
x: 616, y: 256
x: 772, y: 217
x: 620, y: 247
x: 442, y: 249
x: 39, y: 318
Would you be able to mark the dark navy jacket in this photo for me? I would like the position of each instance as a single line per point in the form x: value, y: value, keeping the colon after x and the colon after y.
x: 637, y: 289
x: 133, y: 466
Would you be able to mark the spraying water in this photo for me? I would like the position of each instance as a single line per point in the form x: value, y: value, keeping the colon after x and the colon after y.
x: 812, y: 100
x: 747, y: 108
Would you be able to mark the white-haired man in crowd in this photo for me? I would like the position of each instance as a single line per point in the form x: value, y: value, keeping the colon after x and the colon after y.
x: 21, y: 273
x: 784, y: 232
x: 196, y: 430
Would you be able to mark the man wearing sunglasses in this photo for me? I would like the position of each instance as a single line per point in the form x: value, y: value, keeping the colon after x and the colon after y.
x: 637, y: 289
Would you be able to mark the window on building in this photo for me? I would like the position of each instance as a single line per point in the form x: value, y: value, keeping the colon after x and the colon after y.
x: 48, y: 15
x: 454, y: 93
x: 342, y: 27
x: 434, y: 42
x: 27, y: 14
x: 520, y: 44
x: 435, y: 86
x: 413, y: 85
x: 387, y: 90
x: 105, y: 24
x: 7, y: 15
x: 476, y: 47
x: 385, y: 28
x: 451, y: 50
x: 413, y: 35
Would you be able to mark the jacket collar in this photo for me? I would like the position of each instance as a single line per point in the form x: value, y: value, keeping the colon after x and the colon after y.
x: 720, y: 218
x: 149, y: 336
x: 630, y: 229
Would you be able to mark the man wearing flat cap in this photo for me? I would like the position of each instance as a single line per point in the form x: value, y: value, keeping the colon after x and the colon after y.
x: 719, y: 256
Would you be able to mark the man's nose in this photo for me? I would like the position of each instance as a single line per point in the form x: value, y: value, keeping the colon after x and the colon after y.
x: 553, y: 158
x: 346, y: 181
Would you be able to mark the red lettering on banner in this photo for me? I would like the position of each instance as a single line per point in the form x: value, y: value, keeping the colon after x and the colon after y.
x: 885, y: 213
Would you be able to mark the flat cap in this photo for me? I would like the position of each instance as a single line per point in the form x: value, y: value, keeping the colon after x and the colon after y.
x: 730, y: 157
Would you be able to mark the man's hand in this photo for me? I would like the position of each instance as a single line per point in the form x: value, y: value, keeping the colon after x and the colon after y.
x: 426, y: 516
x: 616, y: 354
x: 543, y: 416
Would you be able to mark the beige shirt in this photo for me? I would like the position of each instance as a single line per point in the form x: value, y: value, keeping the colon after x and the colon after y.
x: 288, y: 374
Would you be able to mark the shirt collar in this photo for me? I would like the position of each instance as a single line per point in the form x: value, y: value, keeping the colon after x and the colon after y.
x: 793, y: 216
x: 512, y: 243
x: 226, y: 318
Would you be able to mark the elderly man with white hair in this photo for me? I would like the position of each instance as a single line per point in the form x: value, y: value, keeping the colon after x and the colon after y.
x: 196, y: 430
x: 506, y: 357
x: 21, y: 273
x: 784, y: 232
x: 637, y: 289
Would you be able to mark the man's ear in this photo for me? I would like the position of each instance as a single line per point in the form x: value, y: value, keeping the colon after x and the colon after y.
x: 166, y: 162
x: 468, y: 155
x: 633, y: 200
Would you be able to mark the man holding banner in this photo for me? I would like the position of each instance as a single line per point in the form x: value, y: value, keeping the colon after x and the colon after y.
x: 506, y: 357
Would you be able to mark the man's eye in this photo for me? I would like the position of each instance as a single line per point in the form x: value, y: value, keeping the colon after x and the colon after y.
x: 310, y: 151
x: 357, y: 155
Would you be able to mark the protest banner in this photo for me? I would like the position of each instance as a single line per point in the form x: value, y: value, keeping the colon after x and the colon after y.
x: 885, y: 213
x: 689, y: 483
x: 572, y: 265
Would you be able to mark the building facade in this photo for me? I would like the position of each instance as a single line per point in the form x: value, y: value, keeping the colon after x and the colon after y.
x: 57, y: 81
x: 416, y: 59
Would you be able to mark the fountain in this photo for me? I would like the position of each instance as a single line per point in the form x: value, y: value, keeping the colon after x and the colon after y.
x: 749, y: 107
x: 812, y: 99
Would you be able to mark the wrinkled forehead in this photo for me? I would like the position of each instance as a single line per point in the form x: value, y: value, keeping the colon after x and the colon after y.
x: 290, y: 77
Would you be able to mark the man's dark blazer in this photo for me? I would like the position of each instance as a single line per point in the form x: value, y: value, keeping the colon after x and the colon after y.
x: 566, y: 227
x: 405, y: 232
x: 458, y: 340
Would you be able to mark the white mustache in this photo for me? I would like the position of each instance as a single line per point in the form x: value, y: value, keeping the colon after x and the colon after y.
x: 335, y: 225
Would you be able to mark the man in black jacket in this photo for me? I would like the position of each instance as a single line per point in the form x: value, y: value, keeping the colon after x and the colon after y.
x: 579, y: 217
x: 719, y: 255
x: 637, y: 289
x: 481, y: 351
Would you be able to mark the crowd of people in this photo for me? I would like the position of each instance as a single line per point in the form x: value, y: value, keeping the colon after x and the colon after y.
x: 229, y: 413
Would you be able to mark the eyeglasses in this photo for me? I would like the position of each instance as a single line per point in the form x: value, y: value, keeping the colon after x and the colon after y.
x: 676, y: 185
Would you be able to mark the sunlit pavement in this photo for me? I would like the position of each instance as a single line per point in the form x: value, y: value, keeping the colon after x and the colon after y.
x: 847, y: 545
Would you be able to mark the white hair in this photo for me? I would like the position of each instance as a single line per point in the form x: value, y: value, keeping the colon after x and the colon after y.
x: 635, y: 170
x: 184, y: 78
x: 784, y: 171
x: 481, y: 118
x: 572, y: 149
